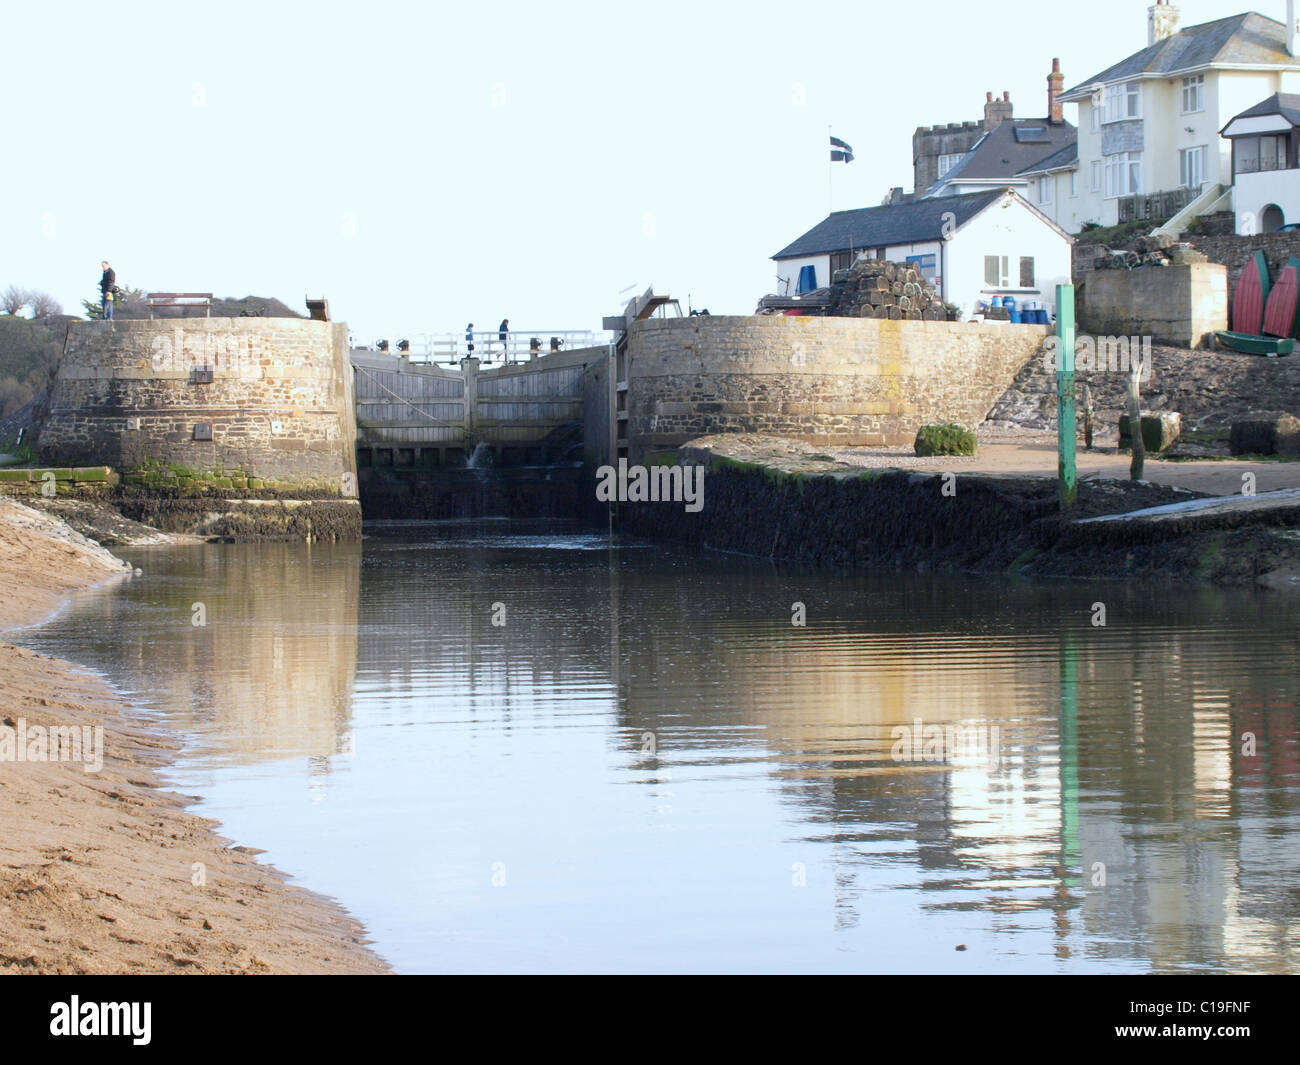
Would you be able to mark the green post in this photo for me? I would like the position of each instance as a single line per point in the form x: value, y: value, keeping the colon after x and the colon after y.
x: 1065, y: 425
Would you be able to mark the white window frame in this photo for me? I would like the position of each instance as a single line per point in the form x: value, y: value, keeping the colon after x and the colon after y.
x: 1123, y: 102
x: 1186, y: 171
x: 951, y: 160
x: 1045, y: 183
x: 1098, y: 174
x: 1004, y: 271
x: 1194, y: 93
x: 1123, y: 174
x: 1095, y: 109
x: 1074, y: 183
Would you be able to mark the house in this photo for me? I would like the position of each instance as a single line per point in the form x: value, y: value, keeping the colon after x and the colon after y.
x: 1006, y: 156
x: 1150, y: 123
x: 971, y: 247
x: 1265, y: 143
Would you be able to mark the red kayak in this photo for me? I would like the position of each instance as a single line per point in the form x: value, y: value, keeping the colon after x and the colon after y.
x: 1249, y: 299
x: 1280, y: 310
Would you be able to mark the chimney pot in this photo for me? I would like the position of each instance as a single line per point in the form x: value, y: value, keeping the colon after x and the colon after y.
x: 1006, y: 96
x: 988, y: 97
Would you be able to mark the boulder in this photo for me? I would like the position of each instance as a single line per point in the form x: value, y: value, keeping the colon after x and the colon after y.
x: 1159, y: 430
x: 1265, y: 433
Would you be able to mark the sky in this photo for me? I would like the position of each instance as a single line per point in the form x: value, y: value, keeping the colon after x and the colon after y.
x: 423, y: 165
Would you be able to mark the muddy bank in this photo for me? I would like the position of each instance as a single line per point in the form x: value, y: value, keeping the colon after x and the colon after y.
x: 105, y: 871
x: 778, y: 503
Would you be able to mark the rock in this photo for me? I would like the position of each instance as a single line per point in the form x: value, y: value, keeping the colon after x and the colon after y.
x: 1159, y: 430
x: 1265, y: 433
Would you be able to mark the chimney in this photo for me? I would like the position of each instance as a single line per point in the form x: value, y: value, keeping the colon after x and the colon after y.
x: 1291, y: 29
x: 1162, y: 22
x: 996, y: 111
x: 1055, y: 85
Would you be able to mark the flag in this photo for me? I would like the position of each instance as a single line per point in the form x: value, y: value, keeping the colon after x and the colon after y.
x: 845, y: 155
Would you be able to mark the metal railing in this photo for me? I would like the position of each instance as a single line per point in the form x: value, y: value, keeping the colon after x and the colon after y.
x: 1155, y: 206
x: 520, y: 345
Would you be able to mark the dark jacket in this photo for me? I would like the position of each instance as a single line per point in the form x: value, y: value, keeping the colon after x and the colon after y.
x: 108, y: 282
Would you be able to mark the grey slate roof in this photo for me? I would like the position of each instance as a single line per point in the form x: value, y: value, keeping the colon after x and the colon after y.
x: 1067, y: 156
x: 999, y: 154
x: 1286, y: 104
x: 876, y: 227
x: 1248, y: 38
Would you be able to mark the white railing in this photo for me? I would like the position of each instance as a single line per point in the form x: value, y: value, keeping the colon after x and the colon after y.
x: 520, y: 345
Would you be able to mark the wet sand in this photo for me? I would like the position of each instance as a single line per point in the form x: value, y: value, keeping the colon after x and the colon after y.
x: 106, y: 872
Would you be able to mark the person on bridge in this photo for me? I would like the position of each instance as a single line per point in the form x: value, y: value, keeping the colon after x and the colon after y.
x: 469, y: 338
x: 503, y: 331
x: 107, y: 287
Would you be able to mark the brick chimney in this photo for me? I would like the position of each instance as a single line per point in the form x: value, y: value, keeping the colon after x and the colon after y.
x: 1162, y: 22
x: 1055, y: 85
x: 996, y: 111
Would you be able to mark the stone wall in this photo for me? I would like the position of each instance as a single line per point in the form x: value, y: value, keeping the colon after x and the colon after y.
x: 1180, y: 305
x: 835, y: 381
x: 279, y: 407
x: 1234, y: 251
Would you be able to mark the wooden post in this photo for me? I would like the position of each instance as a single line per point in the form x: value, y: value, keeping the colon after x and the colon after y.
x: 1135, y: 420
x: 1068, y: 479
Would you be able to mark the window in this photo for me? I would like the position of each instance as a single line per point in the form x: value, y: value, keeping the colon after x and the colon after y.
x: 1253, y: 154
x: 1123, y: 174
x: 995, y: 271
x: 1045, y: 189
x: 1191, y: 167
x: 1194, y: 94
x: 947, y: 162
x: 928, y: 264
x: 1026, y: 271
x: 841, y: 260
x: 1094, y: 109
x: 1074, y: 183
x: 1123, y: 102
x: 1096, y: 175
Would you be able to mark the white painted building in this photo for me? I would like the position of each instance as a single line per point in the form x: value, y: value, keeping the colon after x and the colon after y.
x: 1151, y: 122
x: 1265, y: 143
x: 971, y: 247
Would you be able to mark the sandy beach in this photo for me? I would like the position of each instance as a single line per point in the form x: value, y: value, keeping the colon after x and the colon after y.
x: 105, y: 871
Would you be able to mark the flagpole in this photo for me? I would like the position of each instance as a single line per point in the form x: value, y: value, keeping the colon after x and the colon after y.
x: 830, y: 179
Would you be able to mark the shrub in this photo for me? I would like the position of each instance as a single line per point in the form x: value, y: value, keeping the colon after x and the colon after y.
x: 944, y: 440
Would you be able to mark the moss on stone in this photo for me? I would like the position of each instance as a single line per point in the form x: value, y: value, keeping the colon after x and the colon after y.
x: 950, y: 439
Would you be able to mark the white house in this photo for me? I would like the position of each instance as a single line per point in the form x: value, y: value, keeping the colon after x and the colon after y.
x: 1265, y: 143
x: 1150, y: 123
x: 972, y: 247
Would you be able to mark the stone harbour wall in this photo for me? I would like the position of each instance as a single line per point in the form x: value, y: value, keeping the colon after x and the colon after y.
x: 832, y: 381
x: 265, y: 399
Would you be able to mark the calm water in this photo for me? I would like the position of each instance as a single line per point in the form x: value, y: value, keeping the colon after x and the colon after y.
x: 644, y: 765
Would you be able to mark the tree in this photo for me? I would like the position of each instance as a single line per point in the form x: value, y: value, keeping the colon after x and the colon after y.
x: 128, y: 303
x: 43, y: 304
x: 14, y: 299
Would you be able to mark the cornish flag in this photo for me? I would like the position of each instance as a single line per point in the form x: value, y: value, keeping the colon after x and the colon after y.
x: 840, y: 151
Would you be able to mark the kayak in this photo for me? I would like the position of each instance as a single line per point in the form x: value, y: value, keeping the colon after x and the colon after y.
x: 1255, y: 345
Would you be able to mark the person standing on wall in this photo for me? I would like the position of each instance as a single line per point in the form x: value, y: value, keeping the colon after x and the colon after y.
x: 107, y: 287
x: 469, y: 339
x: 503, y: 331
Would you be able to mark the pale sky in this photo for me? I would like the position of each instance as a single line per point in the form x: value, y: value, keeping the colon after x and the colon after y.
x: 423, y: 165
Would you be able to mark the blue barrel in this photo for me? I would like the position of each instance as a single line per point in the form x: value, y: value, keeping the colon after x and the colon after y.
x: 1040, y: 316
x: 1015, y: 317
x: 1009, y: 302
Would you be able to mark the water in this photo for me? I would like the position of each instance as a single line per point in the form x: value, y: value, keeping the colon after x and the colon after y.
x: 645, y: 766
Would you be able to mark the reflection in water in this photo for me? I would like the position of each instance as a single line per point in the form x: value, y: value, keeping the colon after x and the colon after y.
x: 569, y: 756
